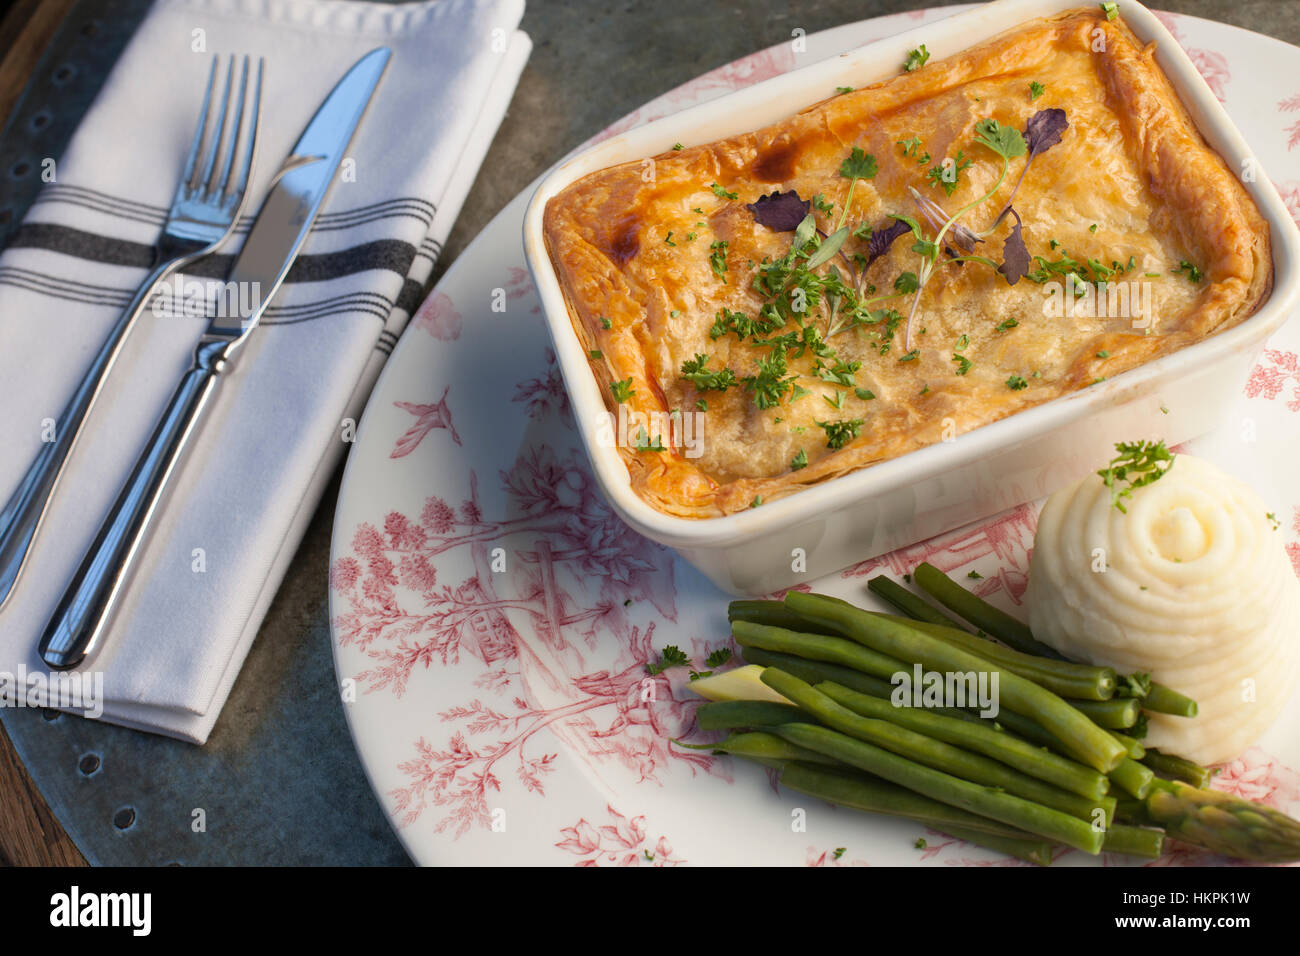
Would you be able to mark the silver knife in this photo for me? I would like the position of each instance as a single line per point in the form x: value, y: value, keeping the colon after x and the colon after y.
x: 86, y: 608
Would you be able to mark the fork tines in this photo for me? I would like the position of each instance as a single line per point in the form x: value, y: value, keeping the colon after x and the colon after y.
x: 208, y: 171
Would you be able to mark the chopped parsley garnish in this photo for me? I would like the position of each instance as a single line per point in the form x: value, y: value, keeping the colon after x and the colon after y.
x: 799, y: 461
x: 910, y: 145
x: 1103, y: 354
x: 722, y: 193
x: 1186, y: 268
x: 963, y: 363
x: 770, y: 384
x: 605, y: 323
x: 669, y: 238
x: 1036, y: 90
x: 819, y: 202
x: 678, y: 146
x: 718, y: 657
x: 1093, y: 228
x: 947, y: 173
x: 916, y: 59
x: 1006, y: 324
x: 865, y: 394
x: 843, y: 89
x: 974, y: 575
x: 1139, y: 463
x: 670, y: 656
x: 839, y: 434
x: 911, y: 356
x: 840, y: 851
x: 718, y: 259
x: 920, y: 843
x: 642, y: 441
x: 705, y: 380
x: 1272, y: 519
x: 622, y: 390
x: 1016, y: 383
x: 596, y: 354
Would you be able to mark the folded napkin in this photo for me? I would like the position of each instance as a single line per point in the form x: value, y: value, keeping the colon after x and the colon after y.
x: 279, y: 423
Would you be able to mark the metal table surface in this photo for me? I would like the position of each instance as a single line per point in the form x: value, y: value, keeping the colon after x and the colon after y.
x: 279, y: 782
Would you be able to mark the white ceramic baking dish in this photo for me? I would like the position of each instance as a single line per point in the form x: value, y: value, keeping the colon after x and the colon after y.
x: 1030, y: 454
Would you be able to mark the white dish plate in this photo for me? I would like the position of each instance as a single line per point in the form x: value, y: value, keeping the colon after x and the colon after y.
x: 492, y: 617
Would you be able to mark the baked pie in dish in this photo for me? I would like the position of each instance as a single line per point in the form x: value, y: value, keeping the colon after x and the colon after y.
x: 902, y: 263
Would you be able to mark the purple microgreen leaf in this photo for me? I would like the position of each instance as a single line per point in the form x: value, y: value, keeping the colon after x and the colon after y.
x: 1015, y: 254
x: 1042, y: 132
x: 883, y: 238
x: 1044, y: 129
x: 780, y: 212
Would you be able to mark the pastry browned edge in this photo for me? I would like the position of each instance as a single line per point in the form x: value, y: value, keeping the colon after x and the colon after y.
x: 1131, y: 180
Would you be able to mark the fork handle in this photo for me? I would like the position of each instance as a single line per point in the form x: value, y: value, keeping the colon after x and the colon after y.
x: 22, y: 514
x: 87, y: 606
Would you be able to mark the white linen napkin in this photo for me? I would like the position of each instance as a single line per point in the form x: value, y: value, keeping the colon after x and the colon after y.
x: 277, y: 426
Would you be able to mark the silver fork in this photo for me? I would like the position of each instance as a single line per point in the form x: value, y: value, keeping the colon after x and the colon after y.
x: 203, y: 214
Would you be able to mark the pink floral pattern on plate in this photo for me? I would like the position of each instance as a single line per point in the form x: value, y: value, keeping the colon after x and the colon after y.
x: 497, y: 618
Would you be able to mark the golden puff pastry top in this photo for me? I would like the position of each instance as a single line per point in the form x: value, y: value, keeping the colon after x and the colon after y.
x: 1132, y: 182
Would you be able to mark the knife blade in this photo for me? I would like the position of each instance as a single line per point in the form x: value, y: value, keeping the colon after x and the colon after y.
x: 299, y: 190
x: 83, y: 614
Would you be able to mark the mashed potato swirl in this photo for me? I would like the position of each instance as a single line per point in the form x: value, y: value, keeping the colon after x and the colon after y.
x: 1192, y: 585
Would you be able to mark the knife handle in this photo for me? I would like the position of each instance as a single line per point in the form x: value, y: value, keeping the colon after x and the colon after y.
x: 86, y: 608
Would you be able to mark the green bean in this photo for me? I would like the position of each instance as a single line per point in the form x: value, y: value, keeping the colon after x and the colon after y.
x: 1135, y: 841
x: 913, y: 605
x: 989, y: 619
x: 979, y: 737
x: 1115, y: 714
x: 1178, y: 768
x: 872, y: 795
x: 994, y: 622
x: 1134, y: 747
x: 1038, y: 852
x: 768, y: 749
x: 925, y: 749
x: 1083, y: 739
x: 814, y: 672
x: 1079, y: 681
x: 771, y: 613
x: 1132, y: 777
x: 984, y: 801
x: 1161, y: 700
x: 817, y: 647
x: 730, y: 714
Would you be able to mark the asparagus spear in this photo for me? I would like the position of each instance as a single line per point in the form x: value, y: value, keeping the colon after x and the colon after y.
x: 1224, y: 824
x: 1086, y: 742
